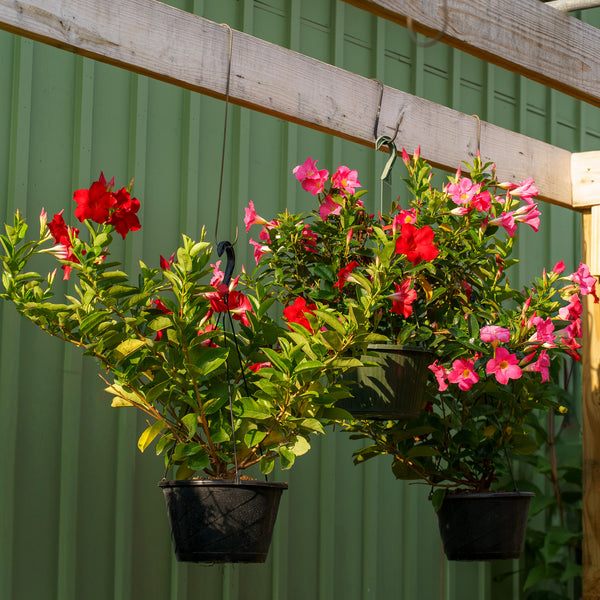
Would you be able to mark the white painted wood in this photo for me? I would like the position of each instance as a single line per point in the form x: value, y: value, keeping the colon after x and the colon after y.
x: 524, y: 36
x: 154, y: 39
x: 585, y: 175
x: 573, y: 5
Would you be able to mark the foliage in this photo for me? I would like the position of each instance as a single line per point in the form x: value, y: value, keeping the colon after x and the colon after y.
x: 167, y: 337
x: 552, y: 556
x: 434, y: 274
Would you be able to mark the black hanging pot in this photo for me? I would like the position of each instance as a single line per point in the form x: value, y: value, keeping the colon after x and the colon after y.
x: 221, y: 521
x: 488, y: 526
x: 394, y: 387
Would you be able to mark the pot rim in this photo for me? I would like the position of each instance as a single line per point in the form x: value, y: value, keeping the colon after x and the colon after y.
x: 244, y: 483
x: 485, y: 495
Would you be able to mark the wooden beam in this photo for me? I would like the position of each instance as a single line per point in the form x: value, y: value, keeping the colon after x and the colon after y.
x: 526, y: 37
x: 151, y: 38
x: 591, y: 426
x: 585, y: 175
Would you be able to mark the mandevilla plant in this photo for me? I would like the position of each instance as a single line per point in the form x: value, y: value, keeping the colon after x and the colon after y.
x: 434, y: 274
x: 215, y: 401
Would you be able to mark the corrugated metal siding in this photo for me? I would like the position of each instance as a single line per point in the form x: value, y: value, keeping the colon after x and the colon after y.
x: 81, y: 516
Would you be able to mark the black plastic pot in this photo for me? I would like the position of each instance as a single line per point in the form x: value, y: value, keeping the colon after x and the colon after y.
x: 220, y: 521
x: 394, y: 387
x: 488, y: 526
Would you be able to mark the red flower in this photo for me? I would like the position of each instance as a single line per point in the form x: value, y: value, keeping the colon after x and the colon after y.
x: 258, y: 366
x: 239, y: 305
x: 160, y: 305
x: 124, y: 216
x: 417, y: 244
x: 296, y: 313
x: 63, y: 236
x: 403, y: 298
x: 95, y: 203
x: 344, y: 274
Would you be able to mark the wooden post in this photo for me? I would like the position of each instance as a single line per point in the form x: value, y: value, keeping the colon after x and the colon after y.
x: 591, y: 421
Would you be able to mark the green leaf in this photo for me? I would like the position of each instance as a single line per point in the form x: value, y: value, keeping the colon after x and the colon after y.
x: 312, y: 425
x: 331, y: 321
x: 422, y: 450
x: 437, y: 498
x: 200, y: 460
x: 254, y: 437
x: 184, y: 259
x: 299, y: 446
x: 266, y: 464
x: 523, y: 444
x: 127, y: 347
x: 287, y: 457
x: 309, y: 365
x: 191, y: 422
x: 149, y: 434
x: 252, y: 410
x: 538, y: 573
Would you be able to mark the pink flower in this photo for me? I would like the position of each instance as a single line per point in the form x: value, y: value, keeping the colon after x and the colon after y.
x: 504, y: 366
x: 251, y: 217
x: 311, y: 178
x: 544, y: 333
x: 583, y: 278
x: 463, y: 373
x: 559, y: 267
x: 463, y: 190
x: 403, y: 298
x: 309, y: 239
x: 345, y: 274
x: 345, y: 179
x: 494, y: 333
x: 259, y: 250
x: 218, y: 275
x: 573, y: 310
x: 440, y: 374
x: 528, y: 214
x: 507, y: 221
x: 525, y: 190
x: 329, y: 207
x: 482, y: 201
x: 541, y: 365
x: 574, y: 329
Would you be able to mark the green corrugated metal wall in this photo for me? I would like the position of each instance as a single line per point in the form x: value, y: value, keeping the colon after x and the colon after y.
x: 81, y: 517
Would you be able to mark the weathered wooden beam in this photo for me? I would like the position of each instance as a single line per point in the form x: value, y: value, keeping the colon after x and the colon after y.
x: 526, y: 37
x: 591, y: 426
x: 151, y: 38
x: 585, y: 175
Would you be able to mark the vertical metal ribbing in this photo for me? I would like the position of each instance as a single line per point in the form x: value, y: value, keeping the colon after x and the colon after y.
x: 9, y: 357
x: 72, y: 370
x: 126, y: 425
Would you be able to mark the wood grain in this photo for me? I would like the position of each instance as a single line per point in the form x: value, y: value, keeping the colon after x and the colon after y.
x: 151, y: 38
x: 526, y: 37
x: 591, y: 429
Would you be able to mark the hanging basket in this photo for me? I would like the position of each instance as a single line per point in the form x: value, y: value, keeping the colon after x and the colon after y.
x: 222, y: 521
x: 394, y: 387
x: 488, y: 526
